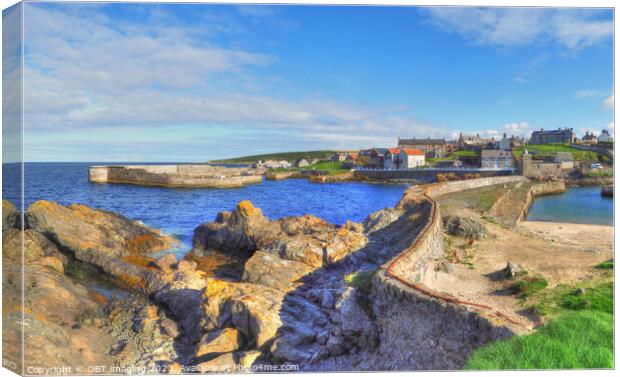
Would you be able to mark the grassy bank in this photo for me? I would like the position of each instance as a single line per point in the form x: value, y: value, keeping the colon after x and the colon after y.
x: 549, y: 150
x: 289, y: 156
x: 332, y: 168
x: 579, y: 334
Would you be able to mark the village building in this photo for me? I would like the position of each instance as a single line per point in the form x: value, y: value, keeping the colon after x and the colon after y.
x: 565, y: 159
x: 496, y: 159
x: 539, y: 169
x: 302, y: 163
x: 411, y: 158
x: 559, y: 136
x: 474, y: 143
x: 589, y: 138
x: 504, y: 144
x: 430, y: 147
x: 376, y: 157
x: 271, y: 164
x: 605, y: 137
x: 345, y: 156
x: 391, y: 159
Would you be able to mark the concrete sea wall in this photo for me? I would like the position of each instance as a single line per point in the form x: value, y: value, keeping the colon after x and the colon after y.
x: 421, y: 328
x: 186, y: 175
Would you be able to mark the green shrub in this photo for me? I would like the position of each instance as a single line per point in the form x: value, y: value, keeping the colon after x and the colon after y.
x: 528, y: 285
x: 361, y: 280
x: 607, y: 265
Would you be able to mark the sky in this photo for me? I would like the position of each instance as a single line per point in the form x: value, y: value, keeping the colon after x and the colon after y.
x: 194, y: 82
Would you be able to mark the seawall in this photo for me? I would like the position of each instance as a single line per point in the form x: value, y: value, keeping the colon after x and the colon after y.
x: 183, y: 175
x: 422, y: 175
x: 421, y: 328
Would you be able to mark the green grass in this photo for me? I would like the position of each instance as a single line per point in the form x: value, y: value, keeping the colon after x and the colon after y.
x: 581, y: 336
x: 361, y: 280
x: 289, y: 156
x: 332, y: 168
x: 599, y: 174
x: 579, y: 339
x: 549, y: 150
x: 431, y: 161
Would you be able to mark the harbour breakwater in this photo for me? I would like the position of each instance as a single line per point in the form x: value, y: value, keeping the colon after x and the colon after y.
x: 182, y: 175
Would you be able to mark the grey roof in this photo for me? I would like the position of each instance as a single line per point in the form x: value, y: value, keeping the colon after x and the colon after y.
x: 552, y: 132
x: 421, y: 141
x: 495, y: 153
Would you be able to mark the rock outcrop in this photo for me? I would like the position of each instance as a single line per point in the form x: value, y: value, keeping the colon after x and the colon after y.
x: 10, y: 215
x: 305, y: 239
x: 109, y: 241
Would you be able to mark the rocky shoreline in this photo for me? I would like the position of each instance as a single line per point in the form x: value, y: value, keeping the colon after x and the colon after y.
x: 301, y: 296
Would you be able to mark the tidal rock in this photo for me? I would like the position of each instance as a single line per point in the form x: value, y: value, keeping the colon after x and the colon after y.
x: 10, y: 216
x: 239, y: 232
x: 186, y: 266
x: 464, y: 227
x: 228, y: 340
x: 167, y: 261
x: 225, y: 363
x: 85, y: 230
x: 36, y: 246
x: 272, y: 271
x: 247, y: 359
x: 169, y: 327
x: 306, y: 239
x: 61, y: 320
x: 105, y: 239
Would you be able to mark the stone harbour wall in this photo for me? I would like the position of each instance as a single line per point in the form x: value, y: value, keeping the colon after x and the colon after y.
x: 419, y: 327
x: 185, y: 175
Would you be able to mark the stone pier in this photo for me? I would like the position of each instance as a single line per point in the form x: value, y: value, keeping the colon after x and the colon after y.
x: 182, y: 175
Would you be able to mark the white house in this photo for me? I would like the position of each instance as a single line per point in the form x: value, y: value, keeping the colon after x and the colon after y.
x: 605, y: 137
x: 411, y: 158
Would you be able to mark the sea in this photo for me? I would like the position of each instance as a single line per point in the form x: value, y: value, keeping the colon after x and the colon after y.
x: 179, y: 211
x: 582, y: 205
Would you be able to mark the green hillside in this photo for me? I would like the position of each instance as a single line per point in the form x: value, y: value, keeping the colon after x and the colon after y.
x: 289, y: 156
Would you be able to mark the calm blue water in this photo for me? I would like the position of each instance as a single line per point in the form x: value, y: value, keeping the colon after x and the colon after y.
x: 179, y: 211
x: 583, y: 205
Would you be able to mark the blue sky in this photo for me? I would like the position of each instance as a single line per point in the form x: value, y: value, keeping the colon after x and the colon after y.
x: 139, y: 82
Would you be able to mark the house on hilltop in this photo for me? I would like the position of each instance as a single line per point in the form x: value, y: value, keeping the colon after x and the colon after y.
x: 559, y: 136
x: 605, y: 137
x: 430, y: 147
x: 589, y: 138
x: 474, y: 142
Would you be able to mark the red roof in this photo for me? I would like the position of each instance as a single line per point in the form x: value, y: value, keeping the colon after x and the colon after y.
x: 394, y: 150
x: 413, y: 152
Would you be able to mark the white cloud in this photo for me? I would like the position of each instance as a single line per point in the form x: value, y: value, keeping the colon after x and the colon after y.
x: 573, y: 29
x: 518, y: 128
x: 608, y: 103
x: 105, y: 74
x: 589, y: 93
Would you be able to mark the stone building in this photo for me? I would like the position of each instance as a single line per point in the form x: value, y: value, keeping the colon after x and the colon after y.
x: 559, y: 136
x: 474, y: 142
x: 589, y: 138
x: 430, y: 147
x: 605, y: 137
